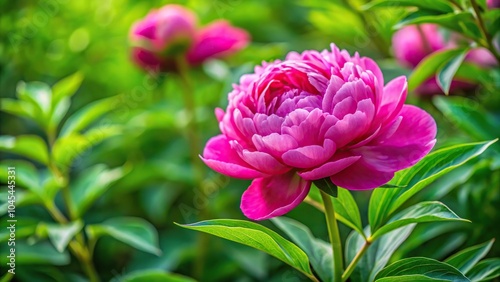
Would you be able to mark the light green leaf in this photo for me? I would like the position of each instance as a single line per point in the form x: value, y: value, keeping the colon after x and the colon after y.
x: 384, y: 202
x: 430, y: 65
x: 378, y: 254
x: 318, y: 251
x: 69, y: 147
x: 24, y: 230
x: 447, y: 71
x: 133, y: 231
x: 66, y: 87
x: 30, y: 146
x: 19, y: 108
x: 438, y: 5
x: 152, y: 276
x: 424, y: 266
x: 25, y: 174
x: 256, y: 236
x: 485, y: 270
x: 39, y: 95
x: 91, y: 185
x: 86, y: 115
x: 466, y: 259
x: 468, y: 115
x: 60, y: 234
x: 421, y: 212
x: 23, y: 198
x: 42, y: 253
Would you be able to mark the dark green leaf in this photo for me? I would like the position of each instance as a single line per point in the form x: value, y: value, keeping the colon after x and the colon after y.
x: 430, y: 65
x: 384, y: 202
x: 446, y: 72
x: 318, y: 251
x: 465, y: 260
x: 378, y: 253
x: 485, y: 270
x: 423, y: 266
x: 411, y: 278
x: 39, y: 253
x: 30, y: 146
x: 256, y: 236
x: 133, y: 231
x: 326, y: 185
x: 421, y: 212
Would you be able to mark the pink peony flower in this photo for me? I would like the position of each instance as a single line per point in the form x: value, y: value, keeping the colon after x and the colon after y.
x: 493, y: 4
x: 171, y: 31
x: 315, y: 116
x: 413, y: 43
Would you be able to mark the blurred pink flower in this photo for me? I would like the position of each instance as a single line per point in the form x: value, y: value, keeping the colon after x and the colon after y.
x: 314, y: 116
x: 413, y: 43
x: 172, y: 31
x: 493, y: 4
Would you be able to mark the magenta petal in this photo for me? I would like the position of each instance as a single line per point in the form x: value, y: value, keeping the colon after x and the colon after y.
x: 309, y: 156
x: 359, y: 176
x: 216, y: 40
x: 274, y: 196
x: 263, y: 162
x: 329, y: 168
x: 393, y: 98
x: 219, y: 156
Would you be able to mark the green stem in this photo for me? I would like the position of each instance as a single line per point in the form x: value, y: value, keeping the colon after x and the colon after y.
x: 333, y: 233
x: 489, y: 40
x: 195, y: 149
x: 7, y: 277
x: 355, y: 260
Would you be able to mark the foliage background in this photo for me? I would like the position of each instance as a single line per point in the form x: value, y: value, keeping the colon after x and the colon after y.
x: 50, y: 39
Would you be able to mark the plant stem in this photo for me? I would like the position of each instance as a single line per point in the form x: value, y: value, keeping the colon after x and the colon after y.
x: 333, y: 233
x: 355, y: 261
x: 489, y: 41
x: 195, y: 149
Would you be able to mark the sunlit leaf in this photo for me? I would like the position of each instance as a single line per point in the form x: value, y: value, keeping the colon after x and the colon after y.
x: 30, y: 146
x: 439, y: 5
x: 485, y: 270
x: 446, y: 72
x: 66, y: 87
x: 60, y: 234
x: 423, y: 266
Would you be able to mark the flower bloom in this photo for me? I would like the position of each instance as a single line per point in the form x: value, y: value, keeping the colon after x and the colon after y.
x: 493, y: 4
x: 172, y: 31
x: 413, y: 43
x: 316, y: 115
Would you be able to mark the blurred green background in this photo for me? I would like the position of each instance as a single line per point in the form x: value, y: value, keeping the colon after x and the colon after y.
x: 50, y: 39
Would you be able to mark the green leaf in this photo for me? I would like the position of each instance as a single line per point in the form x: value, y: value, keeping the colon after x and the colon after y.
x: 66, y: 149
x: 446, y: 73
x: 66, y: 87
x: 92, y: 183
x: 485, y: 270
x: 430, y: 65
x: 423, y: 266
x: 25, y: 174
x: 39, y: 95
x: 40, y: 253
x: 378, y: 253
x: 19, y: 108
x: 468, y: 115
x: 421, y: 212
x: 384, y: 202
x: 439, y: 5
x: 23, y: 198
x: 30, y: 146
x: 318, y: 251
x: 60, y: 234
x: 133, y: 231
x: 152, y: 276
x: 326, y: 185
x: 258, y: 237
x: 466, y: 259
x: 86, y: 115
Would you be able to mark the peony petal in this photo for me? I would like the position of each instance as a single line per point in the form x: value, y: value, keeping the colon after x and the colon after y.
x: 219, y: 156
x: 274, y: 144
x: 333, y: 87
x: 263, y: 162
x: 274, y: 196
x: 329, y: 168
x: 309, y: 156
x: 360, y: 176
